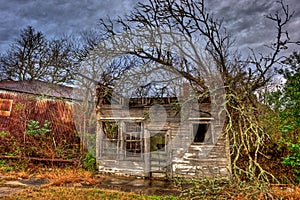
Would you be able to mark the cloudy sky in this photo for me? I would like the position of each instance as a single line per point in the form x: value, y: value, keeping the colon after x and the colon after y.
x: 244, y: 19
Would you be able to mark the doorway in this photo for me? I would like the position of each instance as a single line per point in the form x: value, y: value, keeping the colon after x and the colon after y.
x: 159, y: 153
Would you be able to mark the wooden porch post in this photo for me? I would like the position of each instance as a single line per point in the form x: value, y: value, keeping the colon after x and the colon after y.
x: 147, y: 152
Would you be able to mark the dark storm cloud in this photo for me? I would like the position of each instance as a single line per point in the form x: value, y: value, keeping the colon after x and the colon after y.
x: 244, y: 19
x: 55, y: 17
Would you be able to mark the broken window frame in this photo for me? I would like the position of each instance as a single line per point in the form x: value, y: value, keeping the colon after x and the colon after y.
x: 208, y: 135
x: 110, y: 146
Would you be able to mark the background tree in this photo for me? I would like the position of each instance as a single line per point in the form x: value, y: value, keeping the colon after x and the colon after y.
x: 92, y: 69
x: 286, y: 100
x: 242, y: 78
x: 284, y: 117
x: 33, y: 57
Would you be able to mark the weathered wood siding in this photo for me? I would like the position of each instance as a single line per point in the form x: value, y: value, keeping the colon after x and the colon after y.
x: 183, y: 157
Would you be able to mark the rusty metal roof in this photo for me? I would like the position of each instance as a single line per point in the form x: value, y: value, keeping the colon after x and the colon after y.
x: 38, y: 88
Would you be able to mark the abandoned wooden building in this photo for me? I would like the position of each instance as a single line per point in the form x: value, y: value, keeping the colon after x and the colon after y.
x: 159, y: 137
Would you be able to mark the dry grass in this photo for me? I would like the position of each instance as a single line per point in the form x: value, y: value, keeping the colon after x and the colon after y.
x: 285, y: 192
x: 53, y: 193
x: 75, y: 178
x: 56, y: 176
x: 60, y: 177
x: 23, y: 175
x: 15, y: 175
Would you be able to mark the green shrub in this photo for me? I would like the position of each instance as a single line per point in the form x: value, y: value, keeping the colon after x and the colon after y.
x: 293, y: 159
x: 89, y: 162
x: 33, y: 128
x: 4, y: 133
x: 5, y: 166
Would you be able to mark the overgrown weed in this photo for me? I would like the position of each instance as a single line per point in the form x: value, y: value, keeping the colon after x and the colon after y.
x: 226, y: 188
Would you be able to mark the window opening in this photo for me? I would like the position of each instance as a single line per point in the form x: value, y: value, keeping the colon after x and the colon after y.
x: 199, y: 132
x: 111, y: 130
x: 158, y: 142
x: 110, y: 142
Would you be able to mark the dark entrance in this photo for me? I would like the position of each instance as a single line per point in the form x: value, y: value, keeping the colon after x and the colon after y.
x: 158, y: 154
x: 199, y: 132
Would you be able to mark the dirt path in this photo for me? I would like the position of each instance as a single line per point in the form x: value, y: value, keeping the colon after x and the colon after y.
x: 12, y: 186
x: 139, y: 186
x: 125, y: 184
x: 8, y: 190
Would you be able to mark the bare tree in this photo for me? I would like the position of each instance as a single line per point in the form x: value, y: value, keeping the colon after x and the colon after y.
x: 33, y: 57
x: 91, y: 70
x: 142, y: 34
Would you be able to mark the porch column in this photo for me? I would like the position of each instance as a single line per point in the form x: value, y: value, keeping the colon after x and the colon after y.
x: 147, y: 152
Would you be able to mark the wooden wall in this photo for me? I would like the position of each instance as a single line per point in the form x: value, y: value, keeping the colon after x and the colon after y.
x: 183, y: 156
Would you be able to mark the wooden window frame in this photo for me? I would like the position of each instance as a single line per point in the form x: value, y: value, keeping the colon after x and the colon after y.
x: 133, y: 139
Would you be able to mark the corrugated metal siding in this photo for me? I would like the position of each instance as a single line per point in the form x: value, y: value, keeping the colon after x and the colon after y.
x: 30, y: 107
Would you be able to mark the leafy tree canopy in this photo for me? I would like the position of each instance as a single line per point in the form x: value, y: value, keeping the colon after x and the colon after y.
x: 286, y: 100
